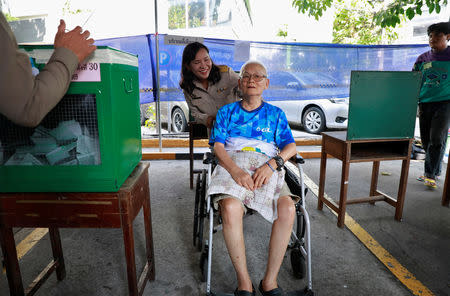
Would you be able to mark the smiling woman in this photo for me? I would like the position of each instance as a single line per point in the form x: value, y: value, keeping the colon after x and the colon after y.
x: 206, y: 87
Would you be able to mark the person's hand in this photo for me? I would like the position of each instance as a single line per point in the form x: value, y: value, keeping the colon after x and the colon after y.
x: 262, y: 176
x: 210, y: 121
x: 243, y: 179
x: 75, y: 40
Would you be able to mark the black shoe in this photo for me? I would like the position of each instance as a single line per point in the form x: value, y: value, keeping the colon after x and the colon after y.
x: 244, y: 292
x: 274, y: 292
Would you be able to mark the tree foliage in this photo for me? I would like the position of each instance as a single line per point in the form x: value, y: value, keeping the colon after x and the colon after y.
x: 67, y: 9
x: 354, y: 24
x: 283, y: 32
x: 10, y: 18
x: 177, y: 17
x: 387, y: 16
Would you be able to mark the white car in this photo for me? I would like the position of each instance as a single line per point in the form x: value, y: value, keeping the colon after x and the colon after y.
x: 298, y: 94
x: 315, y: 101
x: 316, y: 115
x: 178, y: 114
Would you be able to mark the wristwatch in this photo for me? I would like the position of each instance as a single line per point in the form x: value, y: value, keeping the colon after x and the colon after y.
x: 279, y: 161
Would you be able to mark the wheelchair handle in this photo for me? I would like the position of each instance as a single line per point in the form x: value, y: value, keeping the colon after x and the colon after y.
x: 208, y: 158
x: 297, y: 158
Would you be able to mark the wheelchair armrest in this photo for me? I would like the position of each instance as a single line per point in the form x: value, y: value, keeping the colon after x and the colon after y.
x: 297, y: 158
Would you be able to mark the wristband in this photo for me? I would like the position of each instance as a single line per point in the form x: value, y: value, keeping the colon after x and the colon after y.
x: 267, y: 162
x: 279, y: 161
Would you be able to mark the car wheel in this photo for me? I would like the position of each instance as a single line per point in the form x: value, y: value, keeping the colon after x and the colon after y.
x: 179, y: 122
x: 313, y: 120
x: 142, y: 114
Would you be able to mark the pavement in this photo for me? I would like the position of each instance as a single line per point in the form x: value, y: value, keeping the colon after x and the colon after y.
x: 413, y: 255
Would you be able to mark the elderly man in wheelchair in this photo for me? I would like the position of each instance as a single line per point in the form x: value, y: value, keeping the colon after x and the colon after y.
x: 252, y: 140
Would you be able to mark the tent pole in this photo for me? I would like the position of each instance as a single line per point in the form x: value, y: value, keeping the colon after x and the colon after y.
x: 158, y: 103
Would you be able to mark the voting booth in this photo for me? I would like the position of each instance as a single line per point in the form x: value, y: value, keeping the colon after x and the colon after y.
x: 90, y: 142
x: 381, y: 121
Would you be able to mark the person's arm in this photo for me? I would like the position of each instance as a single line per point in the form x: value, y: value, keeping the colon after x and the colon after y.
x: 25, y: 99
x: 199, y: 117
x: 240, y: 176
x: 263, y: 173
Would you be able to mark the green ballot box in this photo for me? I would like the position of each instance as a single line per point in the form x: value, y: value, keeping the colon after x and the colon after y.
x: 90, y: 141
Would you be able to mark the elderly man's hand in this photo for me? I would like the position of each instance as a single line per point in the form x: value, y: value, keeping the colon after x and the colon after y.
x: 75, y: 40
x: 242, y: 178
x: 262, y: 176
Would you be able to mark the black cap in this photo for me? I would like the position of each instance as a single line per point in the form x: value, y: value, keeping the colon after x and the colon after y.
x: 443, y: 27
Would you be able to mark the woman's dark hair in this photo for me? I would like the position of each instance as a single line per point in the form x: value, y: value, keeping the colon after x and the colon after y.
x: 443, y: 27
x: 187, y: 77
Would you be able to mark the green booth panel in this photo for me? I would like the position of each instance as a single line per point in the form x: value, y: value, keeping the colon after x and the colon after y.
x: 383, y: 104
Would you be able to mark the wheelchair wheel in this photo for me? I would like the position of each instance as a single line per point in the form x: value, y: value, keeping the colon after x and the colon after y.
x: 196, y: 210
x: 204, y: 263
x: 300, y: 231
x: 298, y: 263
x: 202, y: 211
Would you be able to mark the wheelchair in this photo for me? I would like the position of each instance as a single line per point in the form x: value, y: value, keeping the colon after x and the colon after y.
x: 299, y: 244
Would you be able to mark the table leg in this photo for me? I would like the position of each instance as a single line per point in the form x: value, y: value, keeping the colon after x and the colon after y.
x: 374, y: 181
x: 12, y: 263
x: 191, y: 156
x: 402, y: 190
x: 58, y: 256
x: 343, y: 193
x: 149, y: 238
x: 128, y: 240
x: 323, y: 171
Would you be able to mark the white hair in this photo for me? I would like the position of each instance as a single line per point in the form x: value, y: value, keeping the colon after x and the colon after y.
x: 252, y: 62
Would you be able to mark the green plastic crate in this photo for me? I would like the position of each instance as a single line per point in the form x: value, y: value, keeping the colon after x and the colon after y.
x: 90, y: 142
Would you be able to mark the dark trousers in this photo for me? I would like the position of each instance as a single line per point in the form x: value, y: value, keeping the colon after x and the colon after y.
x: 434, y: 122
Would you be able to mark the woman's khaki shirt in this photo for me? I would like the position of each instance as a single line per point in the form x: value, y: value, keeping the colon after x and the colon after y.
x: 206, y: 102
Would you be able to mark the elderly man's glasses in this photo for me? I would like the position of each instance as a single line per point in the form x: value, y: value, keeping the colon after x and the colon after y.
x: 256, y: 77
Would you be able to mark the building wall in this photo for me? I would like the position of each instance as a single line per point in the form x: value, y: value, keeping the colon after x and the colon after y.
x: 227, y: 19
x: 415, y: 31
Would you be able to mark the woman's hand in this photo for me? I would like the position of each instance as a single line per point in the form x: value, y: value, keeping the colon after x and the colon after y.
x: 262, y: 175
x: 242, y: 178
x: 210, y: 121
x: 76, y: 40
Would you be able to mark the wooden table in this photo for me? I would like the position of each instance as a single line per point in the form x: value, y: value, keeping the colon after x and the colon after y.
x: 78, y: 210
x: 446, y: 193
x: 350, y: 151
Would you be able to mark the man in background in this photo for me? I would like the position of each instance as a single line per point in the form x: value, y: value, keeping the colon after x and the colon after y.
x: 434, y: 100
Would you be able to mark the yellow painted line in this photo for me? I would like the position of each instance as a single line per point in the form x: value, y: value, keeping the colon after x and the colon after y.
x: 402, y: 274
x: 28, y: 242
